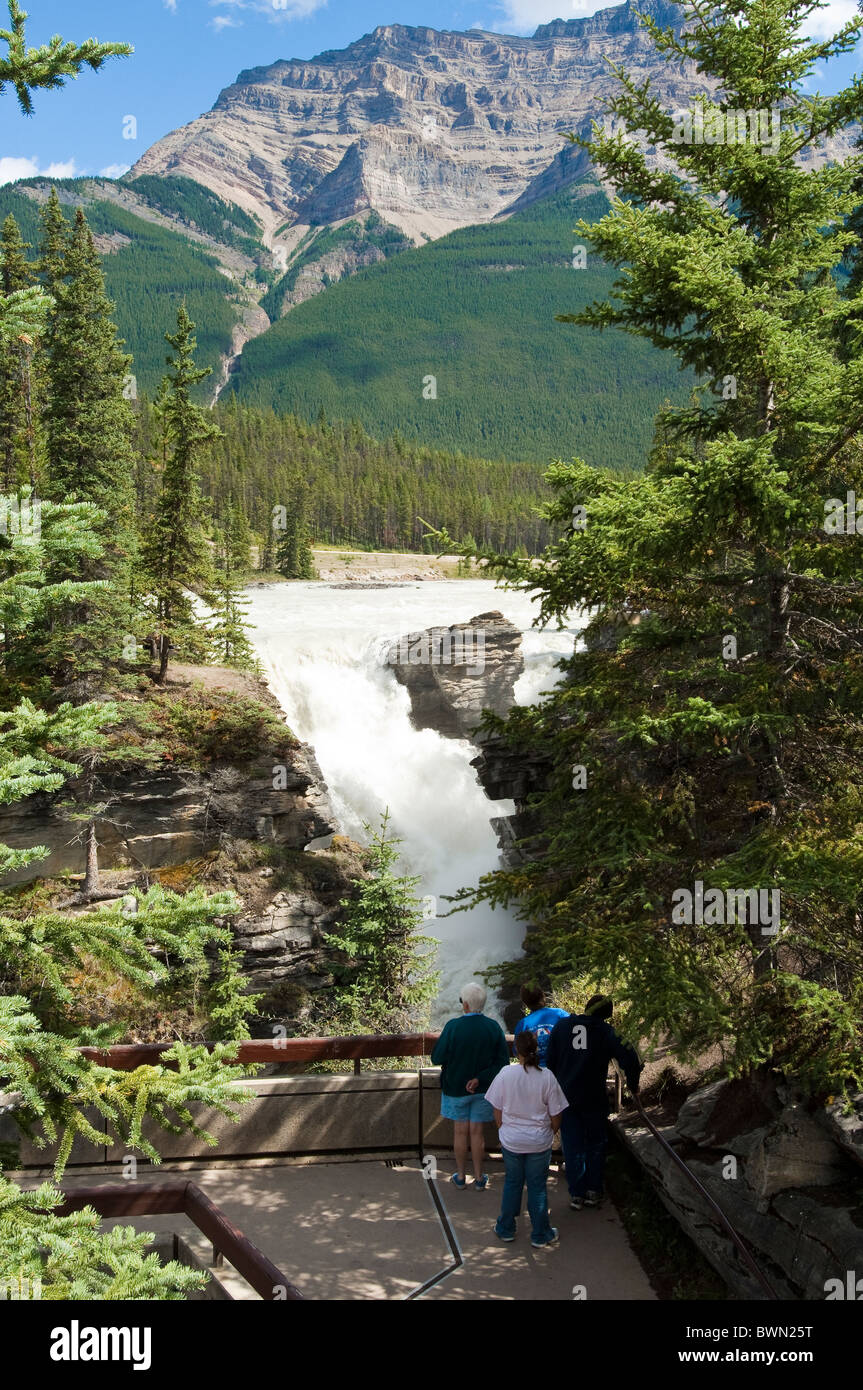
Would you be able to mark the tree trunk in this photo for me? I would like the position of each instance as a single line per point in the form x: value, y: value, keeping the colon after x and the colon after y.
x: 27, y: 392
x: 164, y: 651
x: 91, y: 874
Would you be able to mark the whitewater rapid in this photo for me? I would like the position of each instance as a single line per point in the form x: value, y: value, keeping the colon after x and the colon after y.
x: 320, y: 649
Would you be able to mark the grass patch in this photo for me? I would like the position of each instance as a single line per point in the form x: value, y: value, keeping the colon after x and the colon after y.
x: 197, y: 728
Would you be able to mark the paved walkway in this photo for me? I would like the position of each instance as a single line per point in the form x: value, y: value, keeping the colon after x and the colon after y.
x: 372, y: 1230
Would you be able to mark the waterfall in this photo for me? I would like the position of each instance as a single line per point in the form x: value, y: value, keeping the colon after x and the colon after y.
x: 320, y: 650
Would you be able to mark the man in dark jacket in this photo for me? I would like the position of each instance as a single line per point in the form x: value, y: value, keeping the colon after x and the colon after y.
x: 579, y: 1051
x: 470, y: 1052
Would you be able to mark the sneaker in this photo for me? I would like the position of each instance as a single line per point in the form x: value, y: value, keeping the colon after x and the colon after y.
x: 500, y: 1237
x: 458, y: 1182
x: 576, y: 1203
x: 549, y: 1240
x: 592, y: 1199
x: 481, y: 1183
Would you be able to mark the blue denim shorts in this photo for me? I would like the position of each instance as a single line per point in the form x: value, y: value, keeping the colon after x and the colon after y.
x: 474, y: 1108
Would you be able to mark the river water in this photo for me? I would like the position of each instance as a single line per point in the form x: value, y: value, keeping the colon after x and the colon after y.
x: 320, y: 648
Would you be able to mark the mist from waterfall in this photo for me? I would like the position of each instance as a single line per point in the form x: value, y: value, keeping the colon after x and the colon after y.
x: 320, y: 648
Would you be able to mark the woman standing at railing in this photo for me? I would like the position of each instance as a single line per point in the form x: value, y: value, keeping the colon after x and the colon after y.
x: 469, y: 1051
x: 528, y: 1104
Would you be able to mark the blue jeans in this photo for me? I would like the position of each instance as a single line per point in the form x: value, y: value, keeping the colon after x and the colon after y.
x: 521, y: 1169
x: 584, y: 1139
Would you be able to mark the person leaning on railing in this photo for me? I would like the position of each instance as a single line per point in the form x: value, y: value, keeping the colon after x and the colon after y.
x: 470, y: 1052
x: 579, y: 1051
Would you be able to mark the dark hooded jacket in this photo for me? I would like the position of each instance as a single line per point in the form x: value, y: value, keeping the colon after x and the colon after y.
x: 579, y: 1051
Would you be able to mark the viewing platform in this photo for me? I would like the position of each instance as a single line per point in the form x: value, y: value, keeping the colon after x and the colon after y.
x: 378, y: 1228
x: 333, y: 1183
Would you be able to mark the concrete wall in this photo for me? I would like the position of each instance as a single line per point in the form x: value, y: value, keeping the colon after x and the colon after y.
x: 289, y: 1115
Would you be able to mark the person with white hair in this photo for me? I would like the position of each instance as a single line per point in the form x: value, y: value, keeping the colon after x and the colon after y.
x: 470, y: 1052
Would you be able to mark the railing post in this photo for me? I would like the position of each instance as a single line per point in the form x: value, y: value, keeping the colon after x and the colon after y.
x: 357, y: 1066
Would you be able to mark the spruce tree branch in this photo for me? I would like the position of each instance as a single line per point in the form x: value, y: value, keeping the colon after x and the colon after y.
x: 843, y: 440
x: 47, y: 67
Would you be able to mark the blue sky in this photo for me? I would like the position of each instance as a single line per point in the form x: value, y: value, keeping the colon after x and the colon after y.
x: 186, y: 51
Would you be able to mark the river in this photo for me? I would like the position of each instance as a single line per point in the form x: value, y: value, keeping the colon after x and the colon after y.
x: 320, y: 650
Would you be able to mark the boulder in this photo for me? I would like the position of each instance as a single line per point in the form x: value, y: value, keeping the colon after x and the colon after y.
x: 843, y: 1121
x: 453, y: 673
x: 768, y: 1160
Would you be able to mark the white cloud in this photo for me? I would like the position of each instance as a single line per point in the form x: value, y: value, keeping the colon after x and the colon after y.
x: 523, y: 16
x: 113, y: 171
x: 224, y: 21
x: 171, y: 5
x: 276, y: 10
x: 14, y: 167
x: 820, y: 24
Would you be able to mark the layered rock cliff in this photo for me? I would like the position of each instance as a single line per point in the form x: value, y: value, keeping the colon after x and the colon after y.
x: 152, y: 815
x: 784, y: 1170
x: 434, y: 130
x: 221, y: 793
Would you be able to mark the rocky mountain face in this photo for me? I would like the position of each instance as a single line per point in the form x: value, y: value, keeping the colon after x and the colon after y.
x: 434, y: 130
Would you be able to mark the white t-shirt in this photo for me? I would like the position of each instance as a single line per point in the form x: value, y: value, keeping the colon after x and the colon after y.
x: 527, y: 1097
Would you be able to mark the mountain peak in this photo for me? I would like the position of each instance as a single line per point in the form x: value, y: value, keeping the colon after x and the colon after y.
x: 615, y: 20
x: 434, y: 129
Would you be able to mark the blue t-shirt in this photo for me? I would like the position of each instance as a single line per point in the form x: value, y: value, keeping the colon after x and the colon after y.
x: 541, y: 1022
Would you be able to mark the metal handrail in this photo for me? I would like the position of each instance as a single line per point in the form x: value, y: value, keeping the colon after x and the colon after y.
x: 739, y: 1243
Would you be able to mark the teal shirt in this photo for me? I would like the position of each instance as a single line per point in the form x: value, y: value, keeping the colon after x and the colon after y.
x: 470, y: 1046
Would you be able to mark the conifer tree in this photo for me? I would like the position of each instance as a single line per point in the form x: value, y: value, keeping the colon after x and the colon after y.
x: 230, y: 641
x: 53, y: 244
x: 43, y: 1255
x: 385, y: 979
x: 16, y: 272
x: 17, y: 437
x: 293, y: 552
x: 237, y: 537
x: 89, y: 427
x: 267, y: 546
x: 89, y: 420
x: 175, y: 554
x: 709, y: 733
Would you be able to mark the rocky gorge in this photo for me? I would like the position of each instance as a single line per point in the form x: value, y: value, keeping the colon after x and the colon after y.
x: 785, y: 1169
x: 255, y: 818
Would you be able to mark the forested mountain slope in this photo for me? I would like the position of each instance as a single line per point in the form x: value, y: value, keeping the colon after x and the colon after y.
x: 475, y: 311
x: 151, y: 265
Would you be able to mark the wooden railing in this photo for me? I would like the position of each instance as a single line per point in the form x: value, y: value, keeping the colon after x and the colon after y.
x: 128, y: 1056
x: 156, y: 1199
